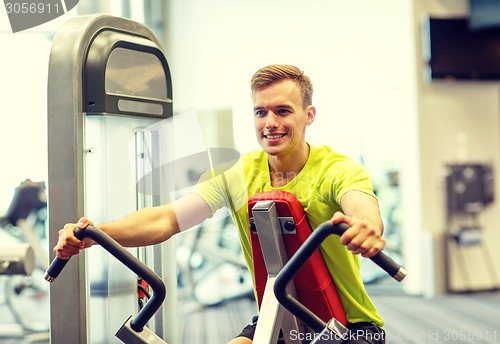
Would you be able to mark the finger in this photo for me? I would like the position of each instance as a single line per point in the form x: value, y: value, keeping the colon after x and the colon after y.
x: 67, y: 236
x: 361, y: 251
x: 87, y: 242
x: 357, y: 248
x: 361, y: 240
x: 351, y: 237
x: 66, y: 252
x: 368, y: 248
x: 375, y: 249
x: 353, y: 249
x: 339, y: 217
x: 83, y: 223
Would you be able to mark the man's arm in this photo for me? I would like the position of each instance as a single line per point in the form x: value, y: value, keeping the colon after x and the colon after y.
x: 147, y: 226
x: 361, y: 212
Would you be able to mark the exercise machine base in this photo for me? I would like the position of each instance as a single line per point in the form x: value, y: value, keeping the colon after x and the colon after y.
x: 127, y: 335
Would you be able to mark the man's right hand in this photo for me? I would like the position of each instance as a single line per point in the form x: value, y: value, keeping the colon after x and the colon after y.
x: 68, y: 245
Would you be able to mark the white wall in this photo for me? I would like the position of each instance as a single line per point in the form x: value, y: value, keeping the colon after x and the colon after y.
x: 23, y: 92
x: 359, y: 54
x: 23, y: 121
x: 351, y: 50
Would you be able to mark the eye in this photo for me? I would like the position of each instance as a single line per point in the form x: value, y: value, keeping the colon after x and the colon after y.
x: 260, y: 113
x: 283, y: 111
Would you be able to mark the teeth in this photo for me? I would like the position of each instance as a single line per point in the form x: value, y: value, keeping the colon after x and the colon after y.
x: 275, y: 136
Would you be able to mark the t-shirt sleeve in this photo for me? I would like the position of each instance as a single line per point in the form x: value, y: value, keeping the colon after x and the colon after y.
x: 212, y: 192
x: 352, y: 176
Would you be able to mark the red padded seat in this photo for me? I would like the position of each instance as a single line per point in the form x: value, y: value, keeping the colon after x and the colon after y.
x: 315, y: 287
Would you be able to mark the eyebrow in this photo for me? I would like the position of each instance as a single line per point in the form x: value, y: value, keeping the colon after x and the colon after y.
x: 285, y: 106
x: 280, y: 106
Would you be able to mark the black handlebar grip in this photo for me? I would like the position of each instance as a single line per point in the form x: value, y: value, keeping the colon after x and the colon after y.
x: 55, y: 269
x: 58, y: 264
x: 390, y: 266
x: 381, y: 259
x: 129, y: 260
x: 303, y: 254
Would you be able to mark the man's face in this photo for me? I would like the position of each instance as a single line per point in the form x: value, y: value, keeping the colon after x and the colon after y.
x: 280, y: 118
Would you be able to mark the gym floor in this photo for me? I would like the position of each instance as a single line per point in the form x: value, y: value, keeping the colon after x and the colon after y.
x: 458, y: 318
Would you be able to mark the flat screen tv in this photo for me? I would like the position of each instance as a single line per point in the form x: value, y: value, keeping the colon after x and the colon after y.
x: 456, y: 51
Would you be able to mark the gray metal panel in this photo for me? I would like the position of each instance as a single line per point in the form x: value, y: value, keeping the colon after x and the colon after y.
x: 65, y: 163
x: 272, y: 315
x: 270, y: 236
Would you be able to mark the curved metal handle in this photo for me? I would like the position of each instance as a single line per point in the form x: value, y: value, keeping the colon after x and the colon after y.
x: 129, y: 260
x: 303, y: 254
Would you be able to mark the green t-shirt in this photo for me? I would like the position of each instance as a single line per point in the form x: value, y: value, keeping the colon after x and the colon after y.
x: 319, y: 187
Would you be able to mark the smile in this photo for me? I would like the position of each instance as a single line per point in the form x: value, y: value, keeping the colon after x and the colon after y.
x: 274, y: 136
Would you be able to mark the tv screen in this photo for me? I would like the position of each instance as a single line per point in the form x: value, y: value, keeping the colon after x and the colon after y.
x: 458, y: 52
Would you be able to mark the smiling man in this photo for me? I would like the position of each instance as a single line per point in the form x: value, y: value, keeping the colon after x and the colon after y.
x: 281, y: 115
x: 329, y: 186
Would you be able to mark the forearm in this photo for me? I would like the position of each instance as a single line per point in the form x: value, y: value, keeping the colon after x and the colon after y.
x: 147, y: 226
x: 362, y: 206
x: 144, y: 227
x: 361, y: 212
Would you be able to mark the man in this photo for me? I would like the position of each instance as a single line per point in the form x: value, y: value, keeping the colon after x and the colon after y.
x: 328, y: 185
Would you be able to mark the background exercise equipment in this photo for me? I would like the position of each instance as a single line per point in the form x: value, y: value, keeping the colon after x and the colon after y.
x: 469, y: 190
x: 134, y: 330
x: 332, y: 330
x: 26, y: 303
x: 26, y: 217
x: 23, y: 258
x: 16, y: 260
x: 213, y: 269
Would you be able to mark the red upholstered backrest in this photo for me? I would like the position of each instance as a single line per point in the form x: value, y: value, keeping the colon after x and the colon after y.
x: 315, y: 287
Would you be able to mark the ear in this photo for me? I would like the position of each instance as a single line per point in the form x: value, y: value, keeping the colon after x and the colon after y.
x: 311, y: 114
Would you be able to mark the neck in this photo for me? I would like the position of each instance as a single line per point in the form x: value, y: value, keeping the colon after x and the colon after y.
x: 284, y: 168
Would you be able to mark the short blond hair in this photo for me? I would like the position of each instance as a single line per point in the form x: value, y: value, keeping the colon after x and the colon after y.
x: 268, y: 75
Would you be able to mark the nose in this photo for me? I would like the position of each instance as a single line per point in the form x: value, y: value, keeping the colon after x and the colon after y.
x: 271, y: 120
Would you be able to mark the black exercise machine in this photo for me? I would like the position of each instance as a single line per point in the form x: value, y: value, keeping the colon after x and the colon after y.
x: 332, y: 332
x: 284, y: 247
x: 134, y: 330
